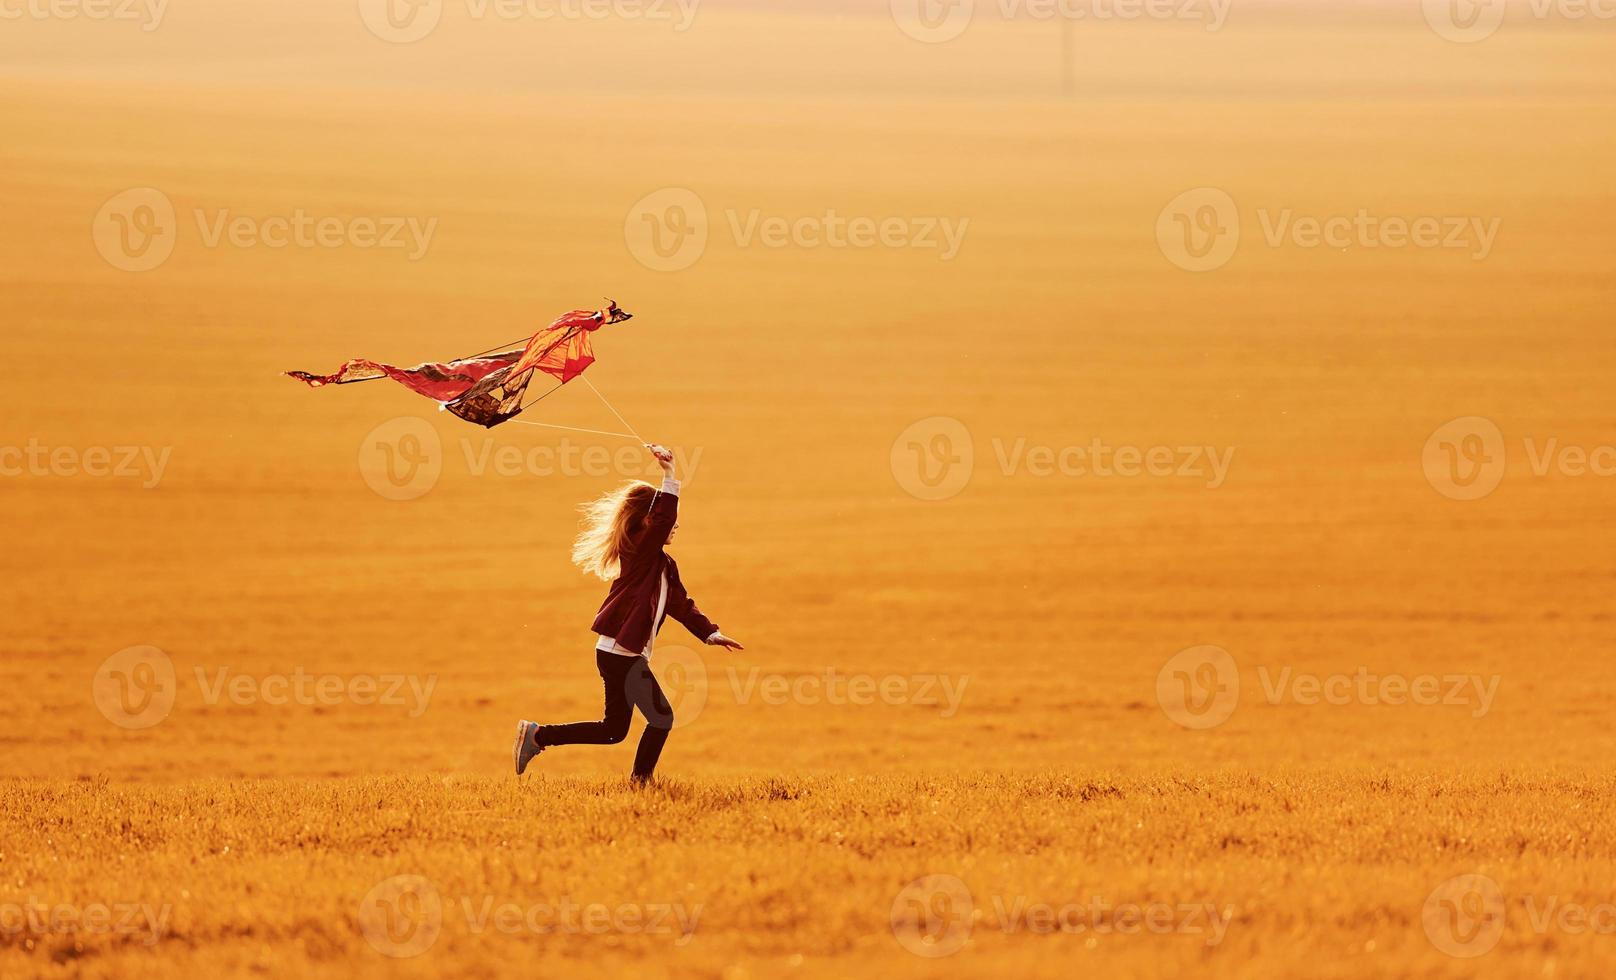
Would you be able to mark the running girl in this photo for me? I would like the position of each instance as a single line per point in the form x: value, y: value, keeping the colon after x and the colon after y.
x: 622, y: 541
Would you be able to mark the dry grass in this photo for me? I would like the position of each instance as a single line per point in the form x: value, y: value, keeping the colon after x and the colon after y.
x: 1316, y: 874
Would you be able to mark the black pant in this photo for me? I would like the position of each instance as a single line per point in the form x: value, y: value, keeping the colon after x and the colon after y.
x: 629, y: 685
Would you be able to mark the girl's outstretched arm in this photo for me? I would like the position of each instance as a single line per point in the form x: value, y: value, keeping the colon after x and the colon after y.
x: 683, y: 610
x: 680, y: 606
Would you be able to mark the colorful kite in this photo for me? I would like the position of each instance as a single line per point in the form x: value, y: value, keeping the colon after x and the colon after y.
x: 488, y: 388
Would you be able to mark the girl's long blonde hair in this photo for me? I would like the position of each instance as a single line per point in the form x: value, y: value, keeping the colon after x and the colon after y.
x: 610, y: 525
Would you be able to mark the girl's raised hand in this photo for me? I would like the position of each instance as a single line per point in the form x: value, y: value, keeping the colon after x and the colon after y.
x: 720, y: 640
x: 663, y: 456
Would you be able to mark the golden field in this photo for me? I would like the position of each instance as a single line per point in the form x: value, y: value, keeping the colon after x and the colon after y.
x: 979, y: 686
x: 1321, y: 874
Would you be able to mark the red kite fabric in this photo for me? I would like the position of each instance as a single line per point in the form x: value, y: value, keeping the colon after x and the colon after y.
x: 562, y: 349
x: 488, y: 389
x: 440, y: 382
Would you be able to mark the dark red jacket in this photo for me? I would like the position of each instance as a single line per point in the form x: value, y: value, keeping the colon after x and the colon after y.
x: 631, y: 602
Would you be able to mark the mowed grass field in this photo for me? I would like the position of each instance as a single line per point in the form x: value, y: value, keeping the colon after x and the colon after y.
x: 302, y: 766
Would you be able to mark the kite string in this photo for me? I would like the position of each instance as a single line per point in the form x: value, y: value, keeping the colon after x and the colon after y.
x: 494, y: 350
x: 573, y: 428
x: 630, y: 434
x: 522, y: 344
x: 585, y: 379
